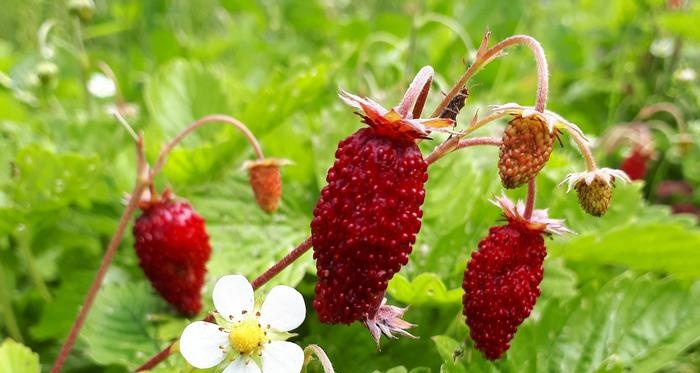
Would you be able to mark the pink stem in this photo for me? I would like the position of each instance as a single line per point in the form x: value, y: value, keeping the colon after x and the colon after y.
x: 142, y: 182
x: 258, y: 282
x: 455, y: 143
x: 165, y: 151
x: 490, y: 54
x: 530, y: 203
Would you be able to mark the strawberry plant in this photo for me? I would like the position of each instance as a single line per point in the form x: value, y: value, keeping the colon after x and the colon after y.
x: 190, y: 186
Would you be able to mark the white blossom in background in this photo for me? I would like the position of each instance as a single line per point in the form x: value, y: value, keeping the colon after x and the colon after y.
x: 686, y: 75
x: 662, y: 48
x: 101, y: 86
x: 247, y: 338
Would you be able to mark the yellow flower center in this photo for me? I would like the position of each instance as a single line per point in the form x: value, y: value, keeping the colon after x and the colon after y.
x: 247, y: 336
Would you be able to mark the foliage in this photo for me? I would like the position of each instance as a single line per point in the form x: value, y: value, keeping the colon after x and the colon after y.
x: 620, y: 295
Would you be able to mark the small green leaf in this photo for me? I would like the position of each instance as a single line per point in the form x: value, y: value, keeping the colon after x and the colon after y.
x: 17, y: 358
x: 426, y: 289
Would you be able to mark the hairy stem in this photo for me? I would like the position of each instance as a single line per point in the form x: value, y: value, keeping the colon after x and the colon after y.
x: 322, y: 357
x: 487, y: 55
x: 583, y: 148
x: 530, y: 203
x: 256, y: 283
x: 142, y: 182
x: 667, y: 107
x: 165, y: 151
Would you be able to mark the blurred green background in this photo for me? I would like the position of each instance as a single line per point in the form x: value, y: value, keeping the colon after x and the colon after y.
x: 621, y: 295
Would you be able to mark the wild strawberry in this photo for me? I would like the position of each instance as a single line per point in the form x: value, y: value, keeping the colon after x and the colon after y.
x: 173, y: 248
x: 525, y: 148
x: 635, y: 164
x: 501, y: 282
x: 527, y: 142
x: 367, y: 217
x: 264, y: 177
x: 594, y: 188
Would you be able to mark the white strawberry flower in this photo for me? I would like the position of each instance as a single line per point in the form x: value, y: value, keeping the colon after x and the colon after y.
x: 247, y: 337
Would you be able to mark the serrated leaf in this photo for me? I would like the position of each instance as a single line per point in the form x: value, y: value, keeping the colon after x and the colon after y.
x: 17, y: 358
x: 118, y: 329
x: 669, y: 247
x: 637, y: 323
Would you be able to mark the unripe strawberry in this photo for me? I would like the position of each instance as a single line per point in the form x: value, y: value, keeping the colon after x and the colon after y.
x: 367, y: 217
x: 173, y: 248
x: 594, y: 188
x: 266, y: 182
x: 501, y: 282
x: 525, y: 149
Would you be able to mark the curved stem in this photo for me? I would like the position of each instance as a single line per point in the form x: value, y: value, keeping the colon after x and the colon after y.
x: 530, y: 203
x: 667, y: 107
x: 322, y: 357
x: 256, y: 283
x: 165, y: 151
x: 484, y: 56
x: 142, y: 182
x: 583, y: 148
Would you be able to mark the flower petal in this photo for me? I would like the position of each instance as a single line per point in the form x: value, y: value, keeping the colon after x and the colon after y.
x: 362, y: 103
x: 283, y: 309
x: 233, y: 296
x: 282, y: 357
x: 200, y: 344
x: 242, y: 365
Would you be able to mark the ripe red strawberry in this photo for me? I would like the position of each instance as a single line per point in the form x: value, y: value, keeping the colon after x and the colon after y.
x: 173, y: 248
x: 368, y: 215
x: 501, y: 282
x: 635, y: 164
x: 525, y: 149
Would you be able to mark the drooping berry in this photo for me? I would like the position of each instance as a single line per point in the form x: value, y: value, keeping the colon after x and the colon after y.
x: 365, y: 223
x: 595, y: 197
x: 635, y: 164
x: 525, y: 149
x: 501, y: 282
x: 266, y: 182
x: 501, y: 285
x: 367, y: 217
x: 173, y: 248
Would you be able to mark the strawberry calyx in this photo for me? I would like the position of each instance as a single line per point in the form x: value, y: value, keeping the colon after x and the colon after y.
x: 538, y: 222
x: 403, y: 121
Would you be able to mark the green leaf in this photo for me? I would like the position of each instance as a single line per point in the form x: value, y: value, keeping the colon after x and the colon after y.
x: 15, y: 357
x: 426, y: 289
x: 661, y: 246
x: 633, y: 323
x: 50, y: 180
x: 118, y: 329
x: 181, y: 92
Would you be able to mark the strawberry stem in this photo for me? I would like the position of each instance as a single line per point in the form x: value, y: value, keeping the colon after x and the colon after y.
x: 165, y: 151
x: 583, y: 148
x: 321, y: 355
x: 455, y: 143
x: 485, y: 55
x: 256, y: 283
x: 530, y: 202
x: 142, y: 182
